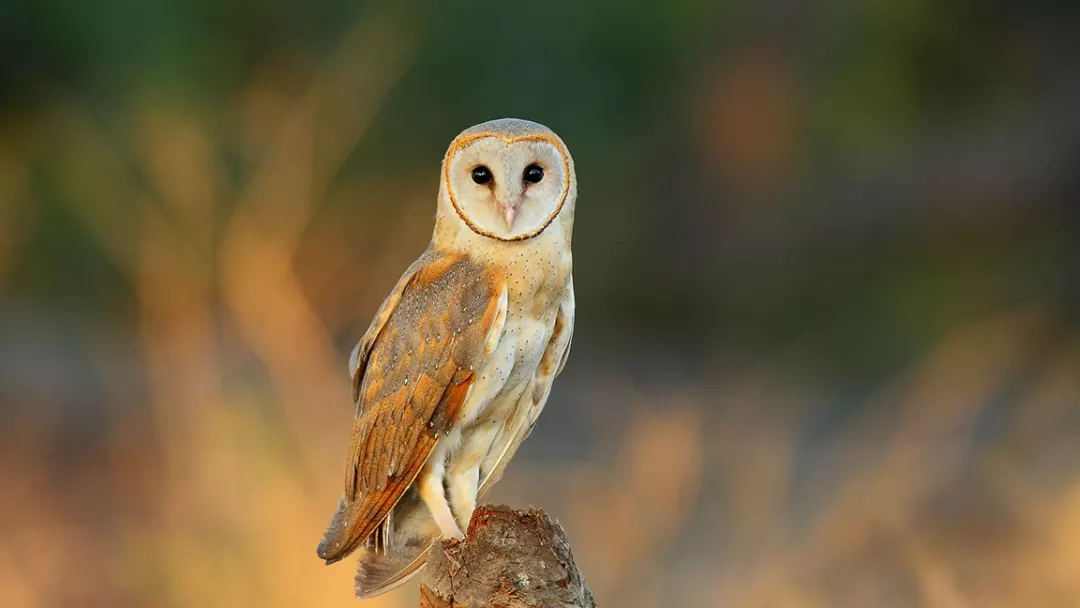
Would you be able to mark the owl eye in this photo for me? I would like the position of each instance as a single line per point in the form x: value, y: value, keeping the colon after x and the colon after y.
x: 481, y: 174
x: 533, y: 174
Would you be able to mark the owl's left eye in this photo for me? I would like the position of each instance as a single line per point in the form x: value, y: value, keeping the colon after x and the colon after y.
x: 533, y: 174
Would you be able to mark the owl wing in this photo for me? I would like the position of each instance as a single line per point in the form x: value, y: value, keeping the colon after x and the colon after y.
x: 381, y: 573
x: 566, y: 319
x: 411, y: 373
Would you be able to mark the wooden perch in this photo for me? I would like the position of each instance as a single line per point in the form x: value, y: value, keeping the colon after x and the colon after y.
x: 509, y: 559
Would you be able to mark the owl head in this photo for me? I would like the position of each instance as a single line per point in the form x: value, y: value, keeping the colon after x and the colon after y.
x: 508, y: 180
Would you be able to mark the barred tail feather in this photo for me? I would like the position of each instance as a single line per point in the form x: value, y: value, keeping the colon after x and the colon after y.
x: 378, y: 572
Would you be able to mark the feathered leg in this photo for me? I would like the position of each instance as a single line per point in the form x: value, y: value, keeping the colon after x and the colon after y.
x: 463, y: 478
x: 430, y: 484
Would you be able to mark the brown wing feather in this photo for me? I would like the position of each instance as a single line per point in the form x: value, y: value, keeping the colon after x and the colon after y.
x: 360, y: 353
x: 379, y: 572
x: 416, y: 374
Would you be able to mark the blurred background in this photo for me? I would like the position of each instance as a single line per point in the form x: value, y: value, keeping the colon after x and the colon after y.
x: 827, y: 267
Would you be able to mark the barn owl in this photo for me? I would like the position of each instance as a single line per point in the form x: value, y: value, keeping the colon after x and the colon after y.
x: 459, y: 360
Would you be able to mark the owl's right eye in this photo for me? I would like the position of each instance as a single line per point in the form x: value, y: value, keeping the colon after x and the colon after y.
x: 481, y: 174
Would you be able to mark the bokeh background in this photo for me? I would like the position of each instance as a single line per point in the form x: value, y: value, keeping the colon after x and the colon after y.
x: 827, y: 267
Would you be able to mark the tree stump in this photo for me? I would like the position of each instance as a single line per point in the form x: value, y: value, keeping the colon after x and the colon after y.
x: 508, y: 559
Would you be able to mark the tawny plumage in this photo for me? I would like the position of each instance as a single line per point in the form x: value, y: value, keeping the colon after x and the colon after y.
x: 459, y: 360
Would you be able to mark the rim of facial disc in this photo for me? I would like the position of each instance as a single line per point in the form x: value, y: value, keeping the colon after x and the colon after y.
x: 464, y: 141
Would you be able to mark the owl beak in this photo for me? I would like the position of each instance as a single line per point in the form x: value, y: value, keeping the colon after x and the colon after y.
x: 509, y: 212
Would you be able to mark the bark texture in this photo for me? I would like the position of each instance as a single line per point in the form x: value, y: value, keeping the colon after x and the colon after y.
x: 509, y: 559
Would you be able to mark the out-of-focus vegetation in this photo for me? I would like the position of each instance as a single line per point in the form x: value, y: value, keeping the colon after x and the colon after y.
x: 827, y: 269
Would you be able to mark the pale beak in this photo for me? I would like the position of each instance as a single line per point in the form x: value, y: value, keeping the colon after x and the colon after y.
x: 508, y: 213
